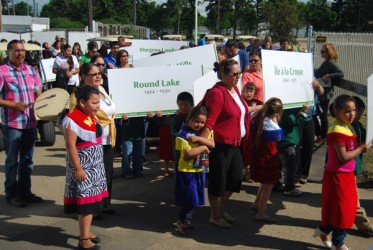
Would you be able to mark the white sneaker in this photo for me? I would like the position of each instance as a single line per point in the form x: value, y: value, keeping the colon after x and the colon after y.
x: 344, y: 247
x: 294, y: 193
x: 324, y: 238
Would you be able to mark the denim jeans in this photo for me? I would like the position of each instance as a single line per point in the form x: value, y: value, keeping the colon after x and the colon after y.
x: 19, y: 143
x: 289, y: 161
x: 338, y: 234
x: 132, y: 151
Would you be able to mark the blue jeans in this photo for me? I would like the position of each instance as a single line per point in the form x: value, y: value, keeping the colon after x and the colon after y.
x: 132, y: 150
x: 338, y: 234
x: 289, y: 161
x: 19, y: 143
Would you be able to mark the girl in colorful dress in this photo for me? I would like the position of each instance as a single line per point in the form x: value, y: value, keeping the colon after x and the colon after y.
x: 265, y: 165
x: 190, y: 180
x: 85, y: 192
x: 339, y: 194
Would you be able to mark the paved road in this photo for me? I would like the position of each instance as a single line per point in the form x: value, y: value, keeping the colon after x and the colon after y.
x: 145, y: 213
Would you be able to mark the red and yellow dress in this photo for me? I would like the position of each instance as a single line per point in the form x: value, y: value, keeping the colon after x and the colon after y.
x: 90, y: 195
x: 339, y: 194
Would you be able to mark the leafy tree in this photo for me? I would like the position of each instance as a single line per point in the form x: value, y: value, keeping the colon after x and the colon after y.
x: 23, y: 9
x: 319, y: 14
x: 353, y: 15
x: 281, y: 17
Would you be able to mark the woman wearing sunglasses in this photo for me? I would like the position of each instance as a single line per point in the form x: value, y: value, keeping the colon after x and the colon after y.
x: 255, y: 75
x: 228, y: 117
x: 99, y: 61
x: 91, y: 75
x: 328, y: 74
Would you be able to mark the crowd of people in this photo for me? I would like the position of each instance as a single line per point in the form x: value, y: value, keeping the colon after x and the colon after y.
x: 245, y: 137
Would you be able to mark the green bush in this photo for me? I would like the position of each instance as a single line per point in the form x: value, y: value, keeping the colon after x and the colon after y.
x: 64, y: 23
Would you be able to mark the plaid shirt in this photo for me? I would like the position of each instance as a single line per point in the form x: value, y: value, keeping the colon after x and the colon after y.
x: 19, y: 86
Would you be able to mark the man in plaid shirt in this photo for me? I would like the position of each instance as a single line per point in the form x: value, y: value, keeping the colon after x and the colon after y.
x: 19, y: 87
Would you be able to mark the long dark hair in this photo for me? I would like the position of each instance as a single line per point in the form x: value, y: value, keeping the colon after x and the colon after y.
x: 271, y: 107
x: 84, y: 70
x: 70, y: 58
x: 195, y: 112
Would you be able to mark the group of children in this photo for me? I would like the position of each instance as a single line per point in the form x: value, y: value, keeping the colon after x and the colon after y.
x: 339, y: 193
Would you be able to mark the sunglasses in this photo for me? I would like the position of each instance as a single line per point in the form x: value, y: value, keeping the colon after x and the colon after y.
x: 99, y: 64
x: 235, y: 74
x: 94, y: 51
x: 95, y: 74
x: 254, y: 60
x: 323, y: 51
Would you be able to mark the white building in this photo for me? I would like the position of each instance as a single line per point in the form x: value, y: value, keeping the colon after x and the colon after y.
x: 24, y: 23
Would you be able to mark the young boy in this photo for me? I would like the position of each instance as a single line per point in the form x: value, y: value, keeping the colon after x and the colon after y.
x: 248, y: 93
x: 185, y: 103
x: 361, y: 220
x: 255, y: 105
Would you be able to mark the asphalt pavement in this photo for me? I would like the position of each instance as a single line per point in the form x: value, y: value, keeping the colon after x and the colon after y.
x: 145, y: 213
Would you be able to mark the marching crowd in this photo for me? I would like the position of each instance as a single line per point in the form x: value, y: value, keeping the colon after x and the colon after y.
x: 245, y: 137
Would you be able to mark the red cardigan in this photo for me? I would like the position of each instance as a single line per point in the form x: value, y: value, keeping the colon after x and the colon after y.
x: 224, y: 115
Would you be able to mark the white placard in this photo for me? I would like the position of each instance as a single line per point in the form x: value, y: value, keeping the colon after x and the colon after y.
x: 144, y: 48
x: 201, y: 85
x: 47, y: 66
x: 369, y: 137
x: 288, y: 76
x: 136, y: 91
x: 201, y: 55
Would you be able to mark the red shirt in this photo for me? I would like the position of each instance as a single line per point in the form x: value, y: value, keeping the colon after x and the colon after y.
x: 224, y: 115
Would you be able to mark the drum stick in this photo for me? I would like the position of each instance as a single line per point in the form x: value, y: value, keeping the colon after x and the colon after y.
x: 45, y: 98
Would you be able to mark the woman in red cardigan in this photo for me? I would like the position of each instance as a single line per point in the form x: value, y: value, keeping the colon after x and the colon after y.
x: 228, y: 117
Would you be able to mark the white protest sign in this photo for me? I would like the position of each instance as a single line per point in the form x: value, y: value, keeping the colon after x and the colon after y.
x: 201, y: 85
x: 144, y: 48
x: 47, y: 66
x: 136, y: 91
x: 288, y: 76
x: 369, y: 137
x: 202, y: 55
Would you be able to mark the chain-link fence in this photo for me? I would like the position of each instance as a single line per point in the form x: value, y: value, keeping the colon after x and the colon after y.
x: 355, y: 57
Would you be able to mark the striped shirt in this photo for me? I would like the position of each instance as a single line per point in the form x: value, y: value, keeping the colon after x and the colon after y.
x: 19, y: 86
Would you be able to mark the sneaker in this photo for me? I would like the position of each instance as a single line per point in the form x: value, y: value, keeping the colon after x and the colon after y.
x: 30, y: 197
x: 344, y: 247
x: 294, y: 193
x: 17, y: 202
x: 325, y: 239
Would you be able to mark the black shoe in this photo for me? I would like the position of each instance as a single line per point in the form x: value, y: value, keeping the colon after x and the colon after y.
x: 95, y: 240
x: 17, y: 202
x: 95, y: 247
x: 30, y: 197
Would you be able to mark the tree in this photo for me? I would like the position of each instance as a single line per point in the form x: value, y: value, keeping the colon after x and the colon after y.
x: 23, y: 9
x: 353, y: 15
x: 281, y: 16
x: 320, y: 15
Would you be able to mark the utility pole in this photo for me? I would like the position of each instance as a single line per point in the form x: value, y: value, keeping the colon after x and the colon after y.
x: 134, y: 12
x: 90, y: 16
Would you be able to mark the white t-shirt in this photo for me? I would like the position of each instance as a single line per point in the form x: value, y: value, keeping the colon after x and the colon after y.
x: 243, y: 112
x: 61, y: 63
x: 108, y: 106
